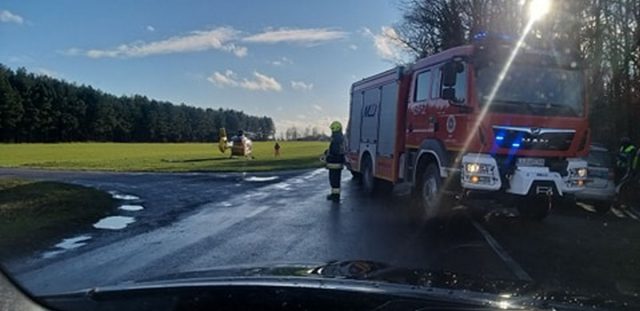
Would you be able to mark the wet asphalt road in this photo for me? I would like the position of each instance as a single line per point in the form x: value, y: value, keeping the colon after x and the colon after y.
x: 199, y: 221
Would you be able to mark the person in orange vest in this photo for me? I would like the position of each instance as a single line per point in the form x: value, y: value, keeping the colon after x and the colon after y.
x: 335, y: 160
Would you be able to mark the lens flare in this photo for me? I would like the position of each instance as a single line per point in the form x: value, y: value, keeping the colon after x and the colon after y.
x: 496, y: 86
x: 539, y: 8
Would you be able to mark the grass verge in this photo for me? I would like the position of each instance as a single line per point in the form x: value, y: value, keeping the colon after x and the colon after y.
x: 34, y: 213
x: 159, y: 157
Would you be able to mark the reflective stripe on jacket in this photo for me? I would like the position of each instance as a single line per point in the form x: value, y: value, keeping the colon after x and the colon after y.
x: 627, y: 155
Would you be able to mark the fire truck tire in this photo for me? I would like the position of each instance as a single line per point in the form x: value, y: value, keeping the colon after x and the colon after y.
x: 368, y: 180
x: 430, y: 191
x: 535, y: 209
x: 357, y: 176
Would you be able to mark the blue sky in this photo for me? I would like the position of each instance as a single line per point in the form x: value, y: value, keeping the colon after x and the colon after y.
x: 291, y: 60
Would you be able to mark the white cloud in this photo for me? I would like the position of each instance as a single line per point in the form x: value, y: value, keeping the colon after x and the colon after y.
x: 226, y: 79
x: 8, y: 17
x: 387, y: 44
x: 301, y: 116
x: 307, y: 36
x: 301, y: 86
x: 282, y: 61
x: 259, y: 82
x: 215, y: 39
x: 240, y: 51
x: 222, y: 38
x: 317, y: 107
x: 353, y: 47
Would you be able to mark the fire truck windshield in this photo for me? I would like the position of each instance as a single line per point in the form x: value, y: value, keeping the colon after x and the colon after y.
x: 528, y: 89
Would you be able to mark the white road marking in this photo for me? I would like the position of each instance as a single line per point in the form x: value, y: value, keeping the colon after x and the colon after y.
x: 260, y: 179
x: 635, y: 211
x: 617, y: 212
x: 515, y: 268
x: 586, y: 207
x: 630, y: 214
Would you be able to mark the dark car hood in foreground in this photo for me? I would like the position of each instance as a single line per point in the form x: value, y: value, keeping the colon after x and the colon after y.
x: 364, y: 277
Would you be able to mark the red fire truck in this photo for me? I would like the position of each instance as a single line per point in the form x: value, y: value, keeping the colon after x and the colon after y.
x: 472, y: 121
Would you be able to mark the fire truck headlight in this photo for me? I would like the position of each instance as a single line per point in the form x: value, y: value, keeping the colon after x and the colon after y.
x: 479, y: 171
x: 582, y: 172
x: 472, y: 167
x: 579, y: 172
x: 478, y: 168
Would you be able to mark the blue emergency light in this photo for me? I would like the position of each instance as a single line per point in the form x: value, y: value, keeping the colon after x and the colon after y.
x: 483, y: 35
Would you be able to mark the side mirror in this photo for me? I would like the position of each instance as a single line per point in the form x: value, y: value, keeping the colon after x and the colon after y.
x: 449, y: 75
x: 450, y: 71
x: 449, y: 94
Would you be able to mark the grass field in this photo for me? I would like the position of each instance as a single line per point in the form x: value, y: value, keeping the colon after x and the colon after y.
x: 159, y: 157
x: 35, y: 213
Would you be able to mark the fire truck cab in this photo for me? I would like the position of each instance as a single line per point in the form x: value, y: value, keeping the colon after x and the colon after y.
x: 473, y: 121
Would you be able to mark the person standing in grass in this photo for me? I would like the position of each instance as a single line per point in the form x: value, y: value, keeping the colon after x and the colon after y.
x: 276, y: 149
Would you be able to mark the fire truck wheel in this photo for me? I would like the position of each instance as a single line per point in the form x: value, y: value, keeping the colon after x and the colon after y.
x: 368, y: 180
x: 430, y: 191
x: 535, y: 209
x: 356, y: 176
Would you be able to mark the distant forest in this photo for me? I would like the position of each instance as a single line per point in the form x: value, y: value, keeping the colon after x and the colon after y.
x: 38, y: 108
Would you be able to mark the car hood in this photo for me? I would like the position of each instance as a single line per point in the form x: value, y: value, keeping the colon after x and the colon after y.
x: 364, y: 276
x: 355, y: 270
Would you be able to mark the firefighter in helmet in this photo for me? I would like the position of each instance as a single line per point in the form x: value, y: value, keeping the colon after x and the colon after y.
x: 335, y: 160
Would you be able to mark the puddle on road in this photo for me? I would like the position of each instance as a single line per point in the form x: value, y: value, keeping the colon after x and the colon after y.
x: 131, y: 208
x: 73, y: 242
x: 315, y: 173
x: 51, y: 254
x: 120, y: 196
x: 282, y: 186
x: 67, y: 244
x: 261, y: 179
x: 114, y: 222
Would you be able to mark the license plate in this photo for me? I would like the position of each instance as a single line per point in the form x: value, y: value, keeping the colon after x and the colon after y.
x: 530, y: 162
x: 544, y: 190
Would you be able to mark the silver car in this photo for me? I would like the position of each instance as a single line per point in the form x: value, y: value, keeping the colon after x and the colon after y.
x: 600, y: 189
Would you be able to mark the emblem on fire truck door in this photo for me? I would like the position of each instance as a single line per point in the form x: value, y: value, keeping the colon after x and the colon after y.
x: 451, y: 124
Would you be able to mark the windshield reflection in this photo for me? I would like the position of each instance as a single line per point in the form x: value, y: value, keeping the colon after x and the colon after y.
x: 542, y: 91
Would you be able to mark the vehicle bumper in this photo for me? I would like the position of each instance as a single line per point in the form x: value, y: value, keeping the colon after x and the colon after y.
x: 481, y: 172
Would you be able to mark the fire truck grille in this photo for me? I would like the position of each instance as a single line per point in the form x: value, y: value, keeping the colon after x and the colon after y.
x: 527, y: 138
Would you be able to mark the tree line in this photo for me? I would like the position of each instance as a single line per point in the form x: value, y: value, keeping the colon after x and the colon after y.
x: 606, y: 33
x: 307, y: 134
x: 38, y: 108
